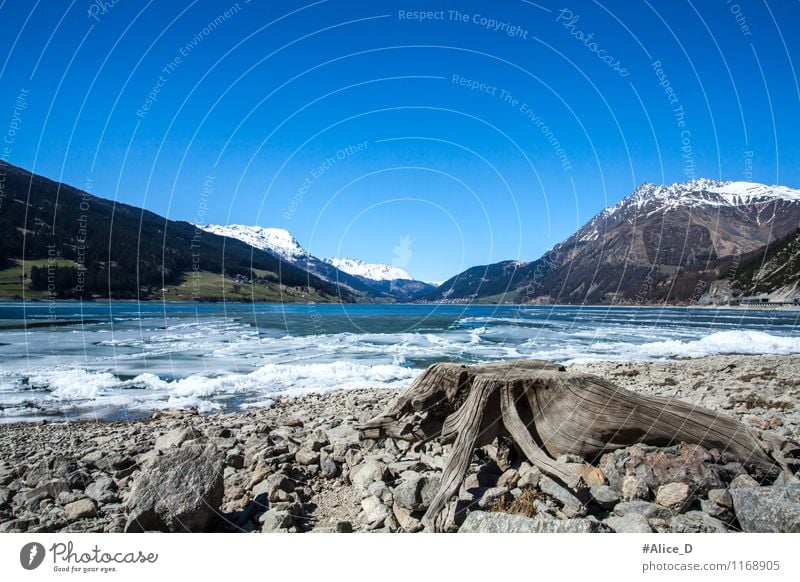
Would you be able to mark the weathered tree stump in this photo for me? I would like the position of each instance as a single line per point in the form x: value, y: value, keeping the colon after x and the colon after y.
x: 549, y: 412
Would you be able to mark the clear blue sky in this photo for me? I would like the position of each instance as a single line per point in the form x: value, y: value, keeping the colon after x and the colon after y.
x: 261, y: 96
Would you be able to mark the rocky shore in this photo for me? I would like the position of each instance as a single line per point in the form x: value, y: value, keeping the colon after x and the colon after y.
x: 299, y: 466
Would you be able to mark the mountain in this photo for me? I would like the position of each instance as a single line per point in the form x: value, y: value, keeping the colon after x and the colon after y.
x: 376, y: 272
x: 775, y: 271
x: 87, y: 246
x: 660, y: 243
x: 368, y: 281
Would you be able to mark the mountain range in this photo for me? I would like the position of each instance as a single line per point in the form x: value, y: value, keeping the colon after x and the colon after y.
x: 659, y: 244
x: 703, y: 241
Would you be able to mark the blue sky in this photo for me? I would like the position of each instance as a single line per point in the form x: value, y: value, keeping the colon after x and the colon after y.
x: 486, y: 135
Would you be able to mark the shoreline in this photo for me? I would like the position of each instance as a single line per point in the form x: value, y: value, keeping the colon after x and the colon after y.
x: 300, y: 466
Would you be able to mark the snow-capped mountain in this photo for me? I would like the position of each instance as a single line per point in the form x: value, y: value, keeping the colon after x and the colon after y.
x: 370, y: 280
x: 376, y: 272
x: 276, y: 240
x: 659, y: 241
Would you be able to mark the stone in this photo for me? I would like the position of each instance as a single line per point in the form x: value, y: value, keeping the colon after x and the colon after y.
x: 5, y: 496
x: 674, y: 496
x: 721, y: 497
x: 307, y: 457
x: 177, y: 437
x: 497, y: 522
x: 508, y: 479
x: 767, y: 509
x: 181, y: 491
x: 277, y: 487
x: 328, y: 466
x: 371, y: 470
x: 79, y: 509
x: 529, y: 478
x: 275, y: 520
x: 234, y: 459
x: 571, y: 505
x: 696, y: 522
x: 344, y: 527
x: 719, y: 512
x: 634, y: 487
x: 104, y: 490
x: 604, y: 496
x: 49, y: 490
x: 416, y: 493
x: 50, y: 469
x: 743, y: 481
x: 499, y: 496
x: 645, y: 508
x: 409, y: 521
x: 631, y: 523
x: 380, y: 490
x: 375, y: 511
x: 79, y: 479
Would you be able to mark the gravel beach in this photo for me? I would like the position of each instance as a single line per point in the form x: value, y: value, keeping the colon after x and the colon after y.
x: 299, y: 466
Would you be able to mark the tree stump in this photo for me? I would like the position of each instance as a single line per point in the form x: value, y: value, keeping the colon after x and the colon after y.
x: 548, y: 412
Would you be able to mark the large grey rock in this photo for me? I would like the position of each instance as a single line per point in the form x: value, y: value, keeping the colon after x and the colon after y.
x: 644, y: 508
x: 177, y: 437
x: 768, y: 509
x: 275, y: 520
x: 696, y: 522
x: 416, y: 493
x: 80, y: 509
x: 181, y: 491
x: 307, y: 457
x: 604, y: 496
x: 371, y: 470
x: 572, y: 506
x: 496, y: 522
x: 104, y: 490
x: 48, y: 490
x: 631, y: 523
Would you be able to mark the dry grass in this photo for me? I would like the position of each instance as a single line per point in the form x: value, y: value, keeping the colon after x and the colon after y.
x: 522, y: 505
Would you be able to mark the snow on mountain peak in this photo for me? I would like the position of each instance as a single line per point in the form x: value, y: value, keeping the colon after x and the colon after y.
x: 376, y: 272
x: 277, y: 240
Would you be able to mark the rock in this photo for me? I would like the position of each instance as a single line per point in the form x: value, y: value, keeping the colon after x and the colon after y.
x: 276, y: 487
x: 500, y: 496
x: 234, y: 459
x: 344, y: 527
x: 743, y: 481
x: 79, y: 479
x: 380, y: 490
x: 375, y: 511
x: 508, y: 479
x: 104, y: 490
x: 674, y: 496
x: 79, y: 509
x: 371, y: 470
x: 416, y: 493
x: 696, y: 522
x: 177, y: 437
x: 605, y: 496
x: 307, y: 457
x: 328, y: 466
x: 767, y: 509
x: 49, y: 490
x: 645, y: 508
x: 572, y: 506
x: 786, y: 478
x: 50, y: 469
x: 631, y: 523
x: 67, y: 497
x: 723, y: 514
x: 721, y: 497
x: 635, y: 487
x: 275, y: 520
x: 181, y: 491
x: 529, y: 478
x: 5, y: 496
x: 496, y: 522
x: 410, y: 521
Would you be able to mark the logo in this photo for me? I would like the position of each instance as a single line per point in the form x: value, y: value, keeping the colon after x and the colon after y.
x: 31, y: 555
